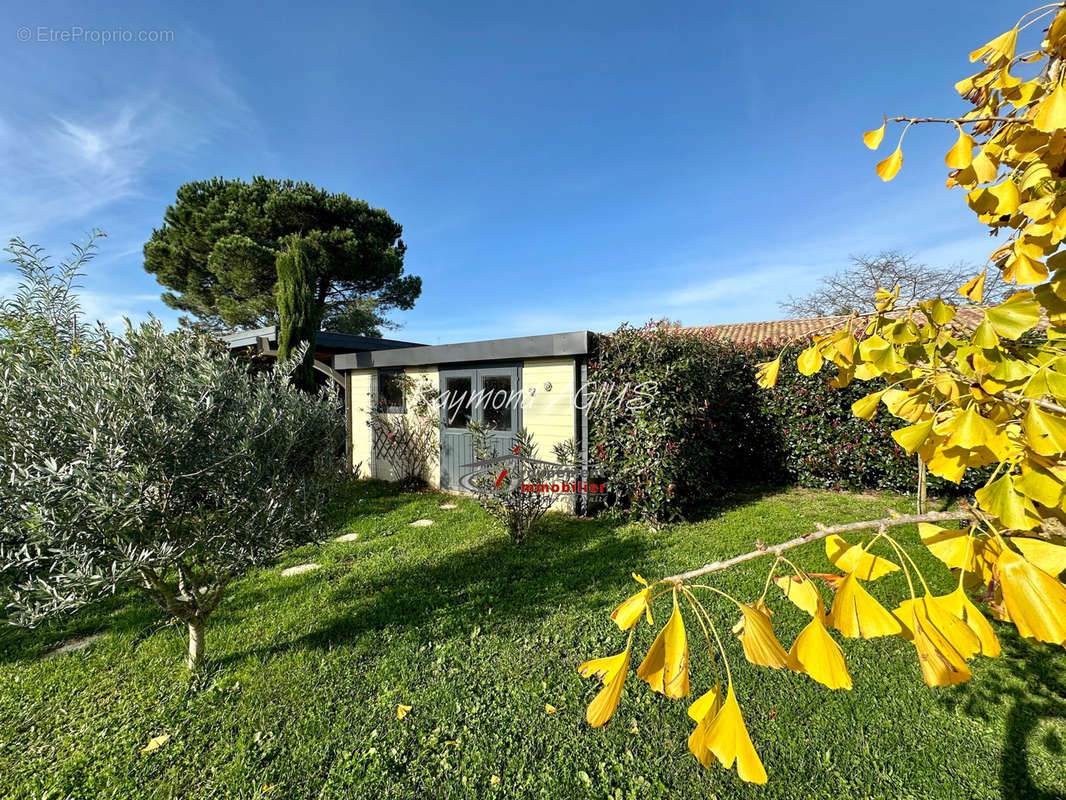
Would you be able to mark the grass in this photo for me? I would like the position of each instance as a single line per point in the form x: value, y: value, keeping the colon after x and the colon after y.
x: 477, y: 635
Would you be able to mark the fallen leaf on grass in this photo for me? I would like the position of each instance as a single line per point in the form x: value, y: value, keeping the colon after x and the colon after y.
x: 402, y: 711
x: 155, y: 743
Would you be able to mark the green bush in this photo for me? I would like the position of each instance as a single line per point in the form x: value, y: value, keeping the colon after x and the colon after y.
x: 148, y: 459
x: 820, y: 443
x: 673, y: 420
x: 677, y: 422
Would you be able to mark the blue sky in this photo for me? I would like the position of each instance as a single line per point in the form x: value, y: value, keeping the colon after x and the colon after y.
x: 555, y: 166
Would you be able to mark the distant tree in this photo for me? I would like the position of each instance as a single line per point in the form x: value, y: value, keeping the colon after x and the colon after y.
x: 361, y: 316
x: 852, y: 289
x: 218, y: 247
x: 150, y: 460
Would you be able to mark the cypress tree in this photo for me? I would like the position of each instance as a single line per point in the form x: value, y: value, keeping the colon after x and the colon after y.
x: 298, y: 314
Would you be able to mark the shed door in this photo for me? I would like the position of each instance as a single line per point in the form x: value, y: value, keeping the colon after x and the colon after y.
x: 488, y: 395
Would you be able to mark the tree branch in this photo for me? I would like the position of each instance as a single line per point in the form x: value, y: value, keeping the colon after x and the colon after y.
x: 957, y: 121
x: 817, y: 535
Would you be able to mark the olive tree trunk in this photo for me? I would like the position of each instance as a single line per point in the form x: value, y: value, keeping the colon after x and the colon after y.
x: 196, y: 644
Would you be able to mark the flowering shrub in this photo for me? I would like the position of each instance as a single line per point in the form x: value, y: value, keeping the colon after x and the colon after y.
x: 674, y: 421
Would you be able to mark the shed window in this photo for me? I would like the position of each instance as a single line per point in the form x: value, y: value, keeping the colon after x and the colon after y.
x: 391, y: 391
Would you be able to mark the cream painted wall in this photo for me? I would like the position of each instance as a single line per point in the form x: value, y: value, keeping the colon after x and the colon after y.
x: 363, y: 383
x: 364, y: 399
x: 548, y: 413
x: 427, y: 376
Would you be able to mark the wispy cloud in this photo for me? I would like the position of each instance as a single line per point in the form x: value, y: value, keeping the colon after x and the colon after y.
x: 725, y: 288
x: 71, y: 163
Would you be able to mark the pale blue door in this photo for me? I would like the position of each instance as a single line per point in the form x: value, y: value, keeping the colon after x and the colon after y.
x: 489, y: 395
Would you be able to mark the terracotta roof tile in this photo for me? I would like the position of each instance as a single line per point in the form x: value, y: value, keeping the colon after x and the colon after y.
x: 748, y: 334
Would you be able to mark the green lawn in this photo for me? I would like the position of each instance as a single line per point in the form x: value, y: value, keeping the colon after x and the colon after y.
x: 477, y: 635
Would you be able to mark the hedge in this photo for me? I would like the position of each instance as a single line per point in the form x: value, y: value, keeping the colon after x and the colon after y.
x: 708, y: 429
x: 673, y: 424
x: 821, y: 444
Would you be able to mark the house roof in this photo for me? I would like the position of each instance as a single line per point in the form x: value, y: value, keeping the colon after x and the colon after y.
x: 512, y: 349
x: 326, y: 342
x: 747, y: 334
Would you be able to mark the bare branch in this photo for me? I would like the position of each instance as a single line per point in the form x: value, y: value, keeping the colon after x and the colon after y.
x: 820, y: 533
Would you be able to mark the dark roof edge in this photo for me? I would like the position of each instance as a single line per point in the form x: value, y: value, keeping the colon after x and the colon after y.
x: 323, y: 338
x: 574, y: 343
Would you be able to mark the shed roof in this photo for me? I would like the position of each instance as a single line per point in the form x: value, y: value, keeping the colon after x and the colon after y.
x: 512, y: 349
x: 325, y: 341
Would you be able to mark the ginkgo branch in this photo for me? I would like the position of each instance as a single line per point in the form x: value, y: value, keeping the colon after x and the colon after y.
x: 1047, y: 405
x: 820, y: 533
x: 955, y: 120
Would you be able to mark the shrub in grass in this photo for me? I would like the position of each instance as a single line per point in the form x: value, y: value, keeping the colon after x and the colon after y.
x: 514, y: 489
x: 147, y: 459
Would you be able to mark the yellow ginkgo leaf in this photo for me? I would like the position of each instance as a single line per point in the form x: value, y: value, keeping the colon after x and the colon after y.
x: 549, y: 708
x: 802, y: 592
x: 704, y: 711
x: 1005, y: 197
x: 1015, y: 316
x: 402, y: 711
x: 155, y: 743
x: 665, y: 667
x: 707, y: 703
x: 969, y: 429
x: 872, y: 139
x: 728, y: 740
x: 1039, y: 485
x: 909, y: 406
x: 1045, y: 432
x: 914, y: 436
x: 984, y: 168
x: 1009, y: 506
x: 887, y: 169
x: 1000, y: 48
x: 1034, y: 600
x: 953, y: 546
x: 855, y: 613
x: 943, y: 640
x: 855, y: 561
x: 628, y: 613
x: 1048, y: 556
x: 816, y: 653
x: 756, y: 634
x: 605, y: 668
x: 984, y: 335
x: 810, y: 360
x: 1050, y: 113
x: 974, y: 289
x: 766, y: 373
x: 960, y: 155
x: 962, y: 607
x: 866, y: 407
x: 1024, y: 270
x: 603, y: 706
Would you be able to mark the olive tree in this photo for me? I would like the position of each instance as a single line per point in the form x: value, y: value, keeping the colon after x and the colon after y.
x: 147, y: 459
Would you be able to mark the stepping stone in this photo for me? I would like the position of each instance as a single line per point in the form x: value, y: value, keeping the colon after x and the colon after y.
x: 448, y: 506
x: 74, y: 645
x: 348, y: 537
x: 421, y: 523
x: 299, y: 569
